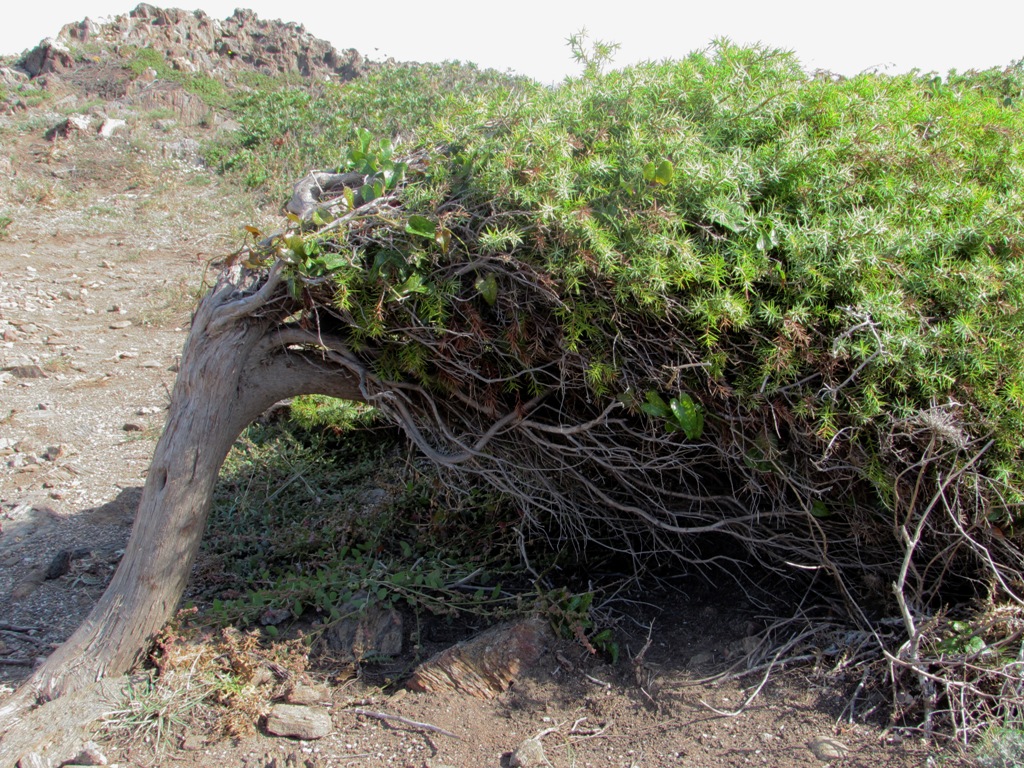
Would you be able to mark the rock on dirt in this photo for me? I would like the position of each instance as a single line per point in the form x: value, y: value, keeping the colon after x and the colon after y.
x: 486, y: 665
x: 368, y: 630
x: 299, y: 722
x: 825, y: 748
x: 529, y: 754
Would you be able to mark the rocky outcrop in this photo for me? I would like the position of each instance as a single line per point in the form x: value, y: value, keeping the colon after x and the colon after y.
x: 192, y: 41
x: 49, y: 56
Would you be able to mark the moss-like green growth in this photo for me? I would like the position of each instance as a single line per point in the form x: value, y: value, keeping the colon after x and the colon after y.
x: 211, y: 90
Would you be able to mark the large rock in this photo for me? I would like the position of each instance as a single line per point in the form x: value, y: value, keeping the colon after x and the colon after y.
x: 367, y: 630
x: 191, y: 41
x: 487, y: 664
x: 160, y: 95
x: 51, y: 55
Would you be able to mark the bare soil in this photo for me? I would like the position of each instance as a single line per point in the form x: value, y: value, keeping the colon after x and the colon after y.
x: 104, y: 259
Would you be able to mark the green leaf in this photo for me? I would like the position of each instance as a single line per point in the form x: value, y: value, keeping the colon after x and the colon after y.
x: 664, y: 172
x: 368, y: 193
x: 660, y: 174
x: 365, y: 138
x: 488, y: 287
x: 728, y: 214
x: 412, y: 284
x: 394, y: 176
x: 819, y: 510
x: 333, y: 261
x: 689, y: 416
x: 421, y: 226
x: 443, y: 237
x: 656, y: 406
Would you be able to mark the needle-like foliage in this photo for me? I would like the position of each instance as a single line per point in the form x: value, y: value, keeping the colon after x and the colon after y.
x: 719, y: 311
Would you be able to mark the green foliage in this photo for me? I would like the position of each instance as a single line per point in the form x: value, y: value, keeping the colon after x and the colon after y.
x: 5, y: 223
x: 319, y: 412
x: 325, y: 521
x: 1001, y: 747
x: 714, y: 298
x: 27, y: 94
x: 850, y: 247
x: 762, y: 211
x: 681, y: 413
x: 286, y: 130
x: 572, y: 617
x: 211, y: 90
x: 595, y: 58
x: 963, y: 640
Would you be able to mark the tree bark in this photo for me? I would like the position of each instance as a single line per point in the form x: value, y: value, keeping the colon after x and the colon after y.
x: 240, y: 358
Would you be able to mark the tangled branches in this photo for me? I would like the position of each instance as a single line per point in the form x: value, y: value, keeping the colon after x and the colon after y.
x: 556, y: 397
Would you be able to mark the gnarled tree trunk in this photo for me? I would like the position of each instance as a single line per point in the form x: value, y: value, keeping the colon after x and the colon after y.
x: 241, y: 357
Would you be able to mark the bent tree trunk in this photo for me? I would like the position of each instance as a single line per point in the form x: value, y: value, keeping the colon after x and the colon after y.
x: 241, y: 357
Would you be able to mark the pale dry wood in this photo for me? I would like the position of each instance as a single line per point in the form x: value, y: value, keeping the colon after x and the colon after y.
x: 55, y: 731
x: 405, y: 721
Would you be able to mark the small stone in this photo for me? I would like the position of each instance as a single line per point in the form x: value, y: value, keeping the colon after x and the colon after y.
x: 367, y: 630
x: 27, y: 445
x: 193, y: 742
x: 298, y: 721
x: 120, y: 325
x: 132, y: 427
x: 59, y: 565
x: 110, y: 125
x: 825, y: 748
x: 529, y: 754
x: 306, y: 695
x: 701, y: 659
x: 91, y: 754
x: 151, y: 364
x: 27, y: 372
x: 54, y: 452
x: 275, y: 616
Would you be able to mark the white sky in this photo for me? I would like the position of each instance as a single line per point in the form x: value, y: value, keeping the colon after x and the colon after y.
x: 528, y: 36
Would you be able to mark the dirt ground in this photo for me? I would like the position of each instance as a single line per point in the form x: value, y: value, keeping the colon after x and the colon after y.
x: 98, y: 271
